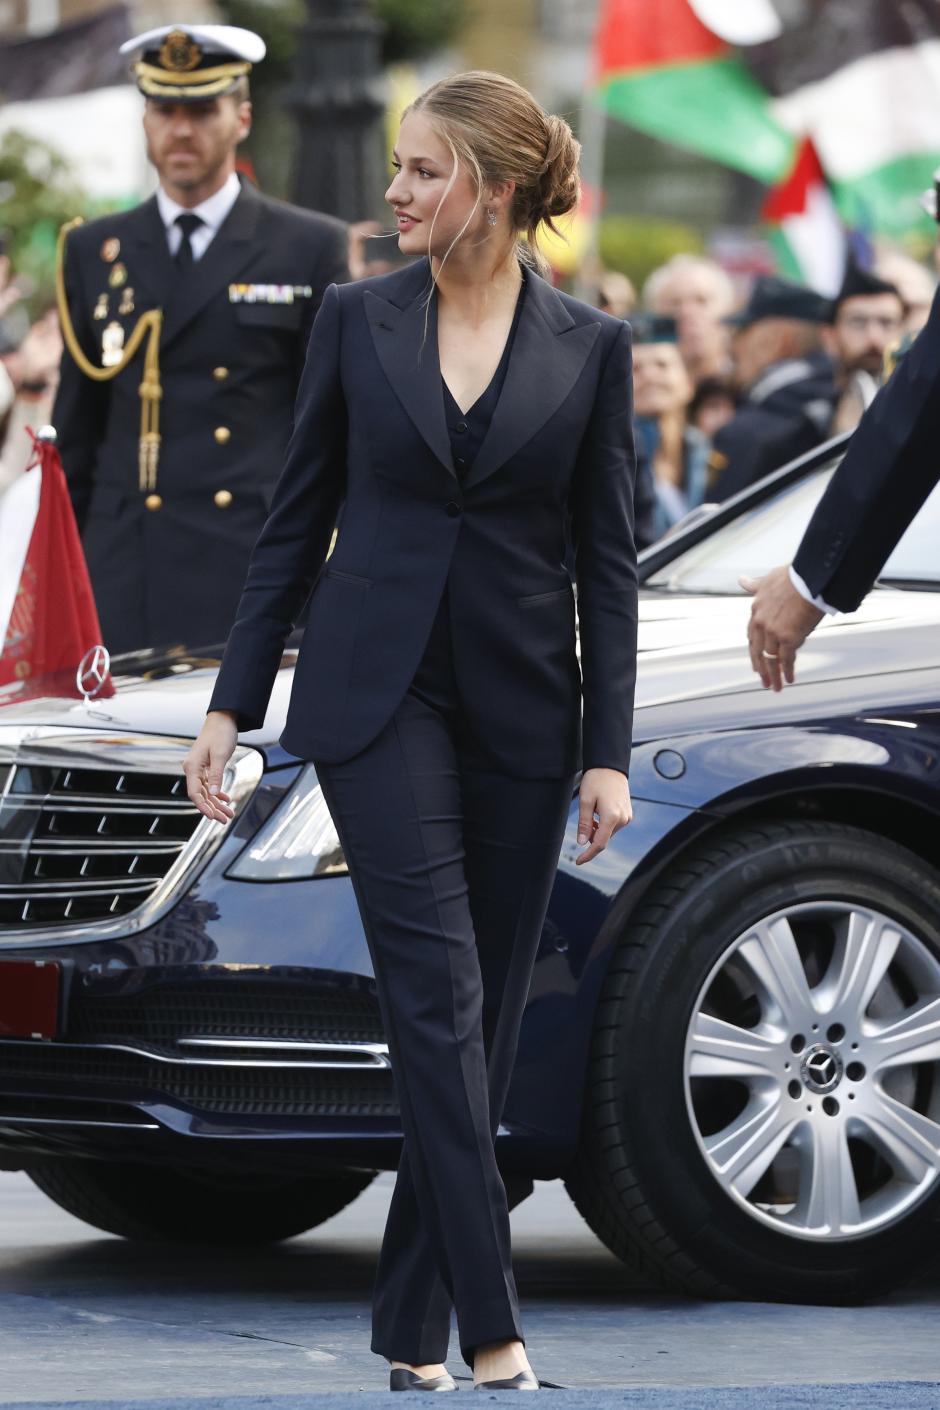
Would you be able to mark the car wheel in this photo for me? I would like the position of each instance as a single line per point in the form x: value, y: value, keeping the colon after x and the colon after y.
x: 191, y: 1206
x: 762, y: 1110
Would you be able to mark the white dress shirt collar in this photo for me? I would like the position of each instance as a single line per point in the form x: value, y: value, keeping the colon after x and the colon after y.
x: 211, y: 212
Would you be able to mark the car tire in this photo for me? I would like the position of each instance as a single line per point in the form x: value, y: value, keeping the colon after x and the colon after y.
x: 660, y: 1114
x: 184, y: 1206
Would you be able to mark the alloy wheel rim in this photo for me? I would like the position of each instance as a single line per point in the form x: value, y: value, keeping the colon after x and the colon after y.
x: 812, y: 1070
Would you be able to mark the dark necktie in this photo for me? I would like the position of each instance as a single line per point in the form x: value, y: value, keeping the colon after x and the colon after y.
x: 188, y: 224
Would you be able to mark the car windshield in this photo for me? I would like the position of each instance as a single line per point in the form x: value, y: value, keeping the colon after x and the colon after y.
x: 770, y: 533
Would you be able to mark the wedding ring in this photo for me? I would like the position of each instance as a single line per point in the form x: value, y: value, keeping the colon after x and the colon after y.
x: 771, y: 655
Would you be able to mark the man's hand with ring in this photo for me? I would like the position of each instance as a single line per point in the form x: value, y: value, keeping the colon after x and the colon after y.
x: 781, y: 620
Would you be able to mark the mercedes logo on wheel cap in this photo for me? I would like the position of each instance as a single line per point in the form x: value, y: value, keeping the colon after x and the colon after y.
x: 93, y: 671
x: 821, y: 1069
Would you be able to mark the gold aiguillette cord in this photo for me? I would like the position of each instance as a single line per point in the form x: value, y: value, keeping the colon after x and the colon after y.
x: 150, y: 390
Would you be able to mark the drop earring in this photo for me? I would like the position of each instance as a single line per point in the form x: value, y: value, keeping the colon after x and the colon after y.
x: 491, y: 217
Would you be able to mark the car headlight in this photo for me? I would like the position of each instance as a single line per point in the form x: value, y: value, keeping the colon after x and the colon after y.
x: 298, y: 840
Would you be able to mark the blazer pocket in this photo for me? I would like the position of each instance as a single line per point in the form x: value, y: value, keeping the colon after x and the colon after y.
x: 264, y: 315
x: 347, y: 577
x: 535, y: 599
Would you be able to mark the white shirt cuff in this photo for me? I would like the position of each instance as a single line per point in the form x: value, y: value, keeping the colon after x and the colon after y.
x: 804, y: 592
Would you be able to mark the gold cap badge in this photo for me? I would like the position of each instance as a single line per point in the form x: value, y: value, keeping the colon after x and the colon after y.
x: 179, y: 52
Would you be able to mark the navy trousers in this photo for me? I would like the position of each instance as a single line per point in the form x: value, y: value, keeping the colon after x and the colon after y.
x: 452, y: 863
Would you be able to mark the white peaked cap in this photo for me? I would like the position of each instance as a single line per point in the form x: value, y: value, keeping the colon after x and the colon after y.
x: 212, y: 39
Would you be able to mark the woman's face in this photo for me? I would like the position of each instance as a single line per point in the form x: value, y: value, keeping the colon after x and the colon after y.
x: 660, y: 381
x: 423, y: 165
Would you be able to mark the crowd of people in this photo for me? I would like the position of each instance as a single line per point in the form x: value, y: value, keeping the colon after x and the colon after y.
x: 727, y: 391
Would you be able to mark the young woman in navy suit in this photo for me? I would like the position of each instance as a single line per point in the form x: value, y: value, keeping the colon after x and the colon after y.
x: 473, y: 422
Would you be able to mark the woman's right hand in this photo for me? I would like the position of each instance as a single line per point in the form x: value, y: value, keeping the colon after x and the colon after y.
x: 205, y: 762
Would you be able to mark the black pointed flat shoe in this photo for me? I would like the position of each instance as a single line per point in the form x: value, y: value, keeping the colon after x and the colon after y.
x: 400, y: 1378
x: 525, y: 1380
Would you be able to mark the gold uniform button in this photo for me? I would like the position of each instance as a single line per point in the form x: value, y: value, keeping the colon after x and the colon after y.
x: 222, y: 435
x: 153, y: 501
x: 223, y: 498
x: 220, y: 373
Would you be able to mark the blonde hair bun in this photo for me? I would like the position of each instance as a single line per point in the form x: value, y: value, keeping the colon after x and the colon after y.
x: 558, y: 184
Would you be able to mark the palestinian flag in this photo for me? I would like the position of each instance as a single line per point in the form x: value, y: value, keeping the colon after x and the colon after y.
x: 804, y: 228
x: 746, y: 82
x: 861, y: 78
x: 660, y: 69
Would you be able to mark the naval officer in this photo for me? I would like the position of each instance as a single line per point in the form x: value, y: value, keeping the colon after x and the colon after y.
x: 186, y: 322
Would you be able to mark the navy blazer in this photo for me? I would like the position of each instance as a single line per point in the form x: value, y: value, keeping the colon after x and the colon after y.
x: 888, y: 471
x: 370, y: 434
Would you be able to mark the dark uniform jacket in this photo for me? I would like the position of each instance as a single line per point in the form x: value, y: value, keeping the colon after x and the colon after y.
x: 787, y: 412
x: 891, y: 465
x: 236, y: 326
x: 371, y: 430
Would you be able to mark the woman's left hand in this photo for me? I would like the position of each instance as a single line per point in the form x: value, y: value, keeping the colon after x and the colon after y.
x: 605, y: 792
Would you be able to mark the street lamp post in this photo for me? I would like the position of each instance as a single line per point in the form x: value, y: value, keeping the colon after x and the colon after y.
x: 338, y: 101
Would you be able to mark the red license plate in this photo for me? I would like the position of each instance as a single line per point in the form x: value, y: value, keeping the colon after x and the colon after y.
x: 29, y: 998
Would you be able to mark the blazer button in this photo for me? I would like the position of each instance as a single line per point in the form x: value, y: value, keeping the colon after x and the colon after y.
x: 222, y: 498
x: 153, y: 501
x: 453, y: 508
x: 222, y: 435
x: 220, y: 373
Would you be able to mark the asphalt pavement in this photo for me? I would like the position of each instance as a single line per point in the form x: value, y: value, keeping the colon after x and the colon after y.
x: 90, y: 1320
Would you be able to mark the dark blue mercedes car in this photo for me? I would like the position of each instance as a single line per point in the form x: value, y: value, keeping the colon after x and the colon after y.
x: 731, y: 1048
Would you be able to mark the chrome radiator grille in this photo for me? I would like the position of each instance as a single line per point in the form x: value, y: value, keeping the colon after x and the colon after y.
x: 85, y: 844
x: 95, y: 828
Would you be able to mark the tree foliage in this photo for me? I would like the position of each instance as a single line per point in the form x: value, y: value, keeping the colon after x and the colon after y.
x: 37, y: 195
x: 413, y: 28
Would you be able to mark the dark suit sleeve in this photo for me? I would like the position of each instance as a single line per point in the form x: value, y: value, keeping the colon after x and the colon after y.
x: 605, y: 565
x: 891, y: 465
x: 292, y: 546
x: 81, y: 405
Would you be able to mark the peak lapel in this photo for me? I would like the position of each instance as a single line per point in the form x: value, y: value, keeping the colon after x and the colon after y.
x: 153, y: 269
x: 547, y: 358
x: 410, y: 360
x: 230, y: 249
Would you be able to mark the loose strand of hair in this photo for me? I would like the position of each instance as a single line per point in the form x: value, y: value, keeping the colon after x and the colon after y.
x: 478, y: 175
